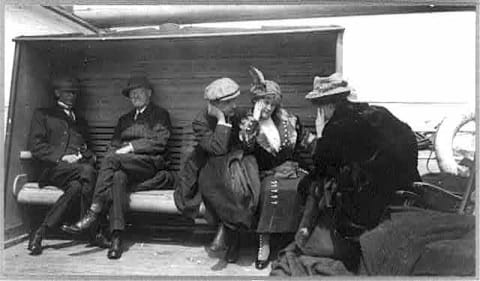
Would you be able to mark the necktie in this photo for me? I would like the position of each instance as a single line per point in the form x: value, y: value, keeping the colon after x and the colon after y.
x: 70, y: 114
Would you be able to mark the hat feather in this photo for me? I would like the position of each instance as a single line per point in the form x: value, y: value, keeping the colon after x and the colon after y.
x: 257, y: 76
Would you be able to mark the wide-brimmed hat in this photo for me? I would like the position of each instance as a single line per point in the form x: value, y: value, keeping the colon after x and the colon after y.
x: 137, y: 81
x: 324, y: 87
x: 261, y: 87
x: 221, y: 90
x: 66, y: 84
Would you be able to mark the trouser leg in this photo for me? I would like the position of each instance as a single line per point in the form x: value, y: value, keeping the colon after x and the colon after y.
x: 119, y: 201
x: 56, y: 213
x: 77, y: 182
x: 116, y: 173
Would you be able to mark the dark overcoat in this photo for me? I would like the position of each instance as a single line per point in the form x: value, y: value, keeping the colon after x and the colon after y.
x: 369, y: 154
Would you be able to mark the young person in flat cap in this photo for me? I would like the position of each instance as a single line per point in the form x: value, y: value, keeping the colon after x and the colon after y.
x: 135, y: 154
x: 275, y: 137
x: 59, y: 141
x: 363, y: 155
x: 217, y: 173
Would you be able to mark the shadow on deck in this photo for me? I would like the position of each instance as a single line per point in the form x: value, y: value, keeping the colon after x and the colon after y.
x: 154, y: 252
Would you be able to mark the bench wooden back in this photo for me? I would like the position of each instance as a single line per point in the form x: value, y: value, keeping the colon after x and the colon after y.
x: 180, y: 144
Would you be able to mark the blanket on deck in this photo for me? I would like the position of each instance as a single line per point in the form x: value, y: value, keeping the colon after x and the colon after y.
x: 411, y: 241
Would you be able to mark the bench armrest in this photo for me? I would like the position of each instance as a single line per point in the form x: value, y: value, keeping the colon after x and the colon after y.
x: 25, y: 155
x: 18, y: 183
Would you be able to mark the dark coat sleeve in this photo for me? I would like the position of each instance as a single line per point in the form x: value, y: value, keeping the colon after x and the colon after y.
x: 38, y: 141
x: 213, y: 141
x: 328, y: 149
x: 87, y: 153
x: 156, y: 137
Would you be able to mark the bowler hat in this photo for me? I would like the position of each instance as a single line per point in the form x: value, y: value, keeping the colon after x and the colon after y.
x: 324, y: 87
x: 66, y: 84
x: 136, y: 82
x: 221, y: 90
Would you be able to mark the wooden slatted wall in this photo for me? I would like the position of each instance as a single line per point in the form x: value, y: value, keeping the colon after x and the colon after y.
x: 180, y: 69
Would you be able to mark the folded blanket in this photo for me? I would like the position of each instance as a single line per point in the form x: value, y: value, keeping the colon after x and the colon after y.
x: 291, y: 262
x: 411, y: 242
x: 417, y: 241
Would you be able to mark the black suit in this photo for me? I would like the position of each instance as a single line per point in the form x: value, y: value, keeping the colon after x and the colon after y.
x: 54, y: 134
x: 148, y: 134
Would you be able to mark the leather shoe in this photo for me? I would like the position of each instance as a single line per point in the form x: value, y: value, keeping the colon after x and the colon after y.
x: 83, y: 224
x: 218, y: 243
x: 35, y: 242
x: 259, y: 264
x: 115, y: 251
x: 233, y: 248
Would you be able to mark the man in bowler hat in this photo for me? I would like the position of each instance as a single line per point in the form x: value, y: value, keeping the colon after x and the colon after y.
x: 58, y: 140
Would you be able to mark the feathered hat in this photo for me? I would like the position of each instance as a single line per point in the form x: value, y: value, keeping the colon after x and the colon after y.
x: 260, y: 86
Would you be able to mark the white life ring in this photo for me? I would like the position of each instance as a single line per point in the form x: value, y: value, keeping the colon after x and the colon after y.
x: 444, y: 141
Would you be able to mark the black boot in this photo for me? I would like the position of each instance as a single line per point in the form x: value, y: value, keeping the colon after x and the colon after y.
x: 233, y: 246
x: 263, y: 254
x: 35, y: 241
x: 115, y: 251
x: 218, y: 243
x: 83, y: 224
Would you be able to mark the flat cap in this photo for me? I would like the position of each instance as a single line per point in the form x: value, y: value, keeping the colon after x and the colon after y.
x: 222, y: 89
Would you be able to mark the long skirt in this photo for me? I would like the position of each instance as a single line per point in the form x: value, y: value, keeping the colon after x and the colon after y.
x: 280, y: 209
x: 230, y: 188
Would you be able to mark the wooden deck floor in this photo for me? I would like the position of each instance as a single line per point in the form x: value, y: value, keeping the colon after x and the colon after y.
x: 166, y: 253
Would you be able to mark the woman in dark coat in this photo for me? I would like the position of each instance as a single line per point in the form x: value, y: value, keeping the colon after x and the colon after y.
x: 363, y: 155
x: 275, y: 137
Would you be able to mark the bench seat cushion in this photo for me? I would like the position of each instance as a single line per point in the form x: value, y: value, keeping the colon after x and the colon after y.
x: 141, y: 201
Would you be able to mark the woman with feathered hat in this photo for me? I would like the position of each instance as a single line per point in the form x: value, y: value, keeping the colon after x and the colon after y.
x: 275, y: 136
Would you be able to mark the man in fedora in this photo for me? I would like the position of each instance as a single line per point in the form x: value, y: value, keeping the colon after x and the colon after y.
x: 58, y: 140
x: 135, y: 154
x: 363, y: 155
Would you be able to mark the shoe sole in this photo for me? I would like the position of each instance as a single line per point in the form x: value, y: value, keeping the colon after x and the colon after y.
x: 69, y: 231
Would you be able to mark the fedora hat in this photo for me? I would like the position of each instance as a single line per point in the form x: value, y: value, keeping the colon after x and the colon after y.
x: 324, y: 87
x: 66, y: 84
x: 134, y: 82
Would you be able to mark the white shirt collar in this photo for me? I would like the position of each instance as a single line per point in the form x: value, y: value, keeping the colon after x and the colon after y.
x: 64, y: 106
x: 141, y: 110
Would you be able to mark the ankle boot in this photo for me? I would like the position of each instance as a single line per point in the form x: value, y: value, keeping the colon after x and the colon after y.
x: 83, y: 224
x: 35, y: 241
x: 115, y: 251
x: 263, y: 254
x: 233, y: 246
x: 218, y: 243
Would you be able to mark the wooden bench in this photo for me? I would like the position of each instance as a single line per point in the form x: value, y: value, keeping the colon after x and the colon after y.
x: 27, y: 191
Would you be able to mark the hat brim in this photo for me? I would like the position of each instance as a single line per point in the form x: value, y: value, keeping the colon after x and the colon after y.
x: 317, y: 95
x: 230, y: 97
x: 126, y: 91
x: 72, y: 89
